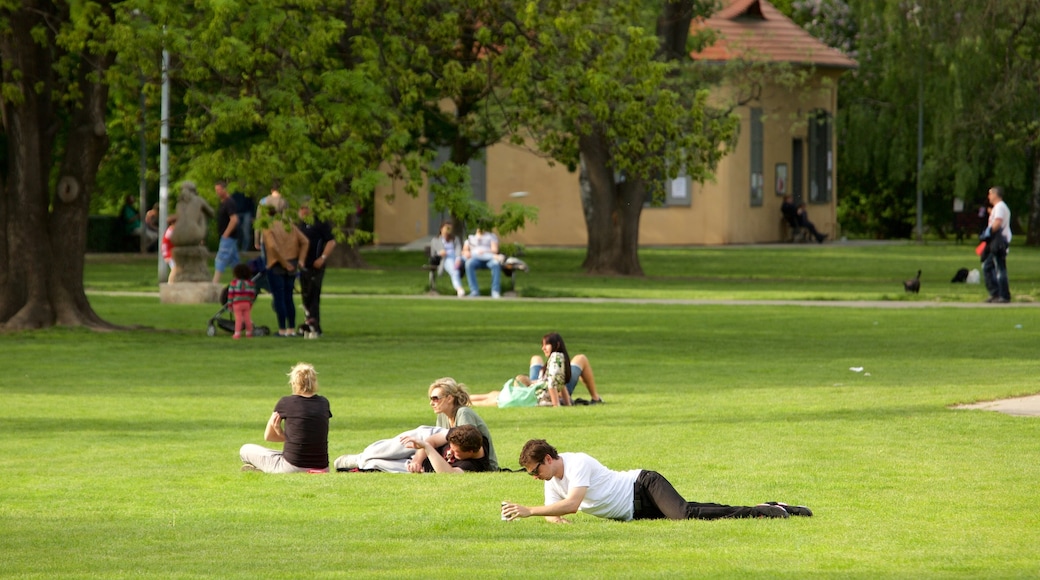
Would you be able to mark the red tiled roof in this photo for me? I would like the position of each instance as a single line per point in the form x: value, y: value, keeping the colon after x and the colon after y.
x: 755, y: 29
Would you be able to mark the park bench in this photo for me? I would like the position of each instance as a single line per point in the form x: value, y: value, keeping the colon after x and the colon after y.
x: 511, y: 267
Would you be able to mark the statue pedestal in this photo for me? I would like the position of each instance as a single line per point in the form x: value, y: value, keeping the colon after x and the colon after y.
x: 189, y: 292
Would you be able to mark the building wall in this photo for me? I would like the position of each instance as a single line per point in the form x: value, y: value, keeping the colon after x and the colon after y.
x: 720, y: 212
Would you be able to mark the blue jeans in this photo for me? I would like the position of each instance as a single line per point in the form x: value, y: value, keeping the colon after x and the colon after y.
x: 282, y: 298
x: 536, y: 373
x: 227, y: 254
x: 245, y: 231
x: 489, y: 263
x: 994, y: 271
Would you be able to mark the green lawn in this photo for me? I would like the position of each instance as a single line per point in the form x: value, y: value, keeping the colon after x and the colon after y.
x: 119, y: 452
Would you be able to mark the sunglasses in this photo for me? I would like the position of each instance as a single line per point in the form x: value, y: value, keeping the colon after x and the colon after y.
x: 436, y: 398
x: 534, y: 472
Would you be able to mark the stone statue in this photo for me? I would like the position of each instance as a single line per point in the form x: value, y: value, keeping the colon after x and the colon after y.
x: 188, y: 252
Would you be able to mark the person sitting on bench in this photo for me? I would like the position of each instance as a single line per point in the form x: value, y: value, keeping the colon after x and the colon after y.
x: 481, y: 251
x: 797, y: 218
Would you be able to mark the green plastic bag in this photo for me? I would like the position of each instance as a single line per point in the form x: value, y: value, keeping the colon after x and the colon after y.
x: 514, y: 394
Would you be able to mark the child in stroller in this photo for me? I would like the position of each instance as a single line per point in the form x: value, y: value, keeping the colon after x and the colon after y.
x: 224, y: 318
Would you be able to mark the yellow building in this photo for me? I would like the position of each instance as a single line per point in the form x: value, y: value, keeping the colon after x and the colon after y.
x: 786, y: 145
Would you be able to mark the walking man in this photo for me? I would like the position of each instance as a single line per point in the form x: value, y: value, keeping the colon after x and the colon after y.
x: 994, y: 268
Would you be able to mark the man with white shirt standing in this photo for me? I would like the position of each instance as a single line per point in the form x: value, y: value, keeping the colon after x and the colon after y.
x: 994, y: 269
x: 577, y: 482
x: 481, y: 251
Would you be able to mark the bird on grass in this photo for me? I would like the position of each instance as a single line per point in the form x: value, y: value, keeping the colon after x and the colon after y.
x: 914, y: 284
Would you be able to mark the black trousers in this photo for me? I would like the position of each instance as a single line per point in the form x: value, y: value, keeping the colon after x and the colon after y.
x: 310, y: 295
x: 656, y: 499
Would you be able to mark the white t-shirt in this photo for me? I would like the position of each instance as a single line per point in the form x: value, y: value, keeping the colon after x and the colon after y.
x: 609, y: 493
x: 1002, y: 211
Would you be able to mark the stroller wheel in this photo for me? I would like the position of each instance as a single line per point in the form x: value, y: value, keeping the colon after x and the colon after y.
x: 261, y: 331
x: 211, y: 330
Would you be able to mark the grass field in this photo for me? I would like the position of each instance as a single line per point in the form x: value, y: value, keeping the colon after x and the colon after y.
x: 119, y: 452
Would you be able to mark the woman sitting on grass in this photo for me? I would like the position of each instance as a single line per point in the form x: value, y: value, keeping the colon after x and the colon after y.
x: 548, y: 383
x: 450, y: 401
x: 306, y: 432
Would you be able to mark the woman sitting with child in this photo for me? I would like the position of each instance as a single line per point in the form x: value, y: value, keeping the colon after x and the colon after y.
x: 451, y: 402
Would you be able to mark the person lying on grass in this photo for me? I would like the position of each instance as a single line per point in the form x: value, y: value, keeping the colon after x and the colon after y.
x: 459, y: 450
x: 549, y: 383
x: 576, y: 482
x: 306, y: 416
x: 450, y: 401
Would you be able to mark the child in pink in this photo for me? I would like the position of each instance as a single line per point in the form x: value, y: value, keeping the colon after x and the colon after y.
x: 241, y: 294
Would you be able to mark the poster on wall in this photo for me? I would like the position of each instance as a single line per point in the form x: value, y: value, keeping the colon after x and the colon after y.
x: 781, y: 179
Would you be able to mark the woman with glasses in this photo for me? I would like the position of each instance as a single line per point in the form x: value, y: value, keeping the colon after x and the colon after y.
x: 450, y: 401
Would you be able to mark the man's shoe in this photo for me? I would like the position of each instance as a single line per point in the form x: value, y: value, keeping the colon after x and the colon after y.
x: 598, y: 401
x: 794, y: 510
x: 461, y: 293
x: 474, y: 294
x: 250, y: 467
x: 346, y: 462
x: 1000, y: 300
x: 496, y: 294
x: 820, y: 239
x: 764, y: 510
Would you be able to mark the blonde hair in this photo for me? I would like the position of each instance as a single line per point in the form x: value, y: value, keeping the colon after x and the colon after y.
x: 303, y: 379
x: 453, y: 389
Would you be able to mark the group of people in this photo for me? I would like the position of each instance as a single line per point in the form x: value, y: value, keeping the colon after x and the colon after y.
x: 479, y: 251
x: 289, y: 249
x: 461, y: 442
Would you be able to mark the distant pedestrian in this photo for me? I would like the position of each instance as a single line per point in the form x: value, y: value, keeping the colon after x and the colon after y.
x: 246, y: 209
x: 322, y: 243
x: 994, y: 267
x: 227, y: 229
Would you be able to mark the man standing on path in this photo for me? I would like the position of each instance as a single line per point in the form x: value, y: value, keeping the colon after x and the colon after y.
x: 227, y: 228
x: 994, y: 269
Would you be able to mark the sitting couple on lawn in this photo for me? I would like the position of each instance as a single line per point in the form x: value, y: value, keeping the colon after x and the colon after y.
x: 459, y: 442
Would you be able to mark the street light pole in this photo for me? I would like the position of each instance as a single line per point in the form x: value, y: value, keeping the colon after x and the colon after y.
x: 164, y: 158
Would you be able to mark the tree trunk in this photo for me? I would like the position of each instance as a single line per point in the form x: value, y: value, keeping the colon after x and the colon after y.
x: 44, y: 241
x: 1033, y: 235
x: 612, y: 212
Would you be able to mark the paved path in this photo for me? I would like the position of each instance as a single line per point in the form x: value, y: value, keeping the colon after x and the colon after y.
x: 1019, y: 406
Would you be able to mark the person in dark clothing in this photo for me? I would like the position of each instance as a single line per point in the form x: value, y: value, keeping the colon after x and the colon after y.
x: 246, y: 209
x: 798, y: 217
x: 306, y: 416
x: 322, y: 243
x: 227, y: 229
x: 462, y: 448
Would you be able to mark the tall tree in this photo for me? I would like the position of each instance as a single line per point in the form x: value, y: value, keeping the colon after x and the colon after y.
x: 54, y: 56
x: 610, y: 96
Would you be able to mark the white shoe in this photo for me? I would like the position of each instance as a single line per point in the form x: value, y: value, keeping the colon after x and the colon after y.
x: 496, y: 295
x: 346, y: 462
x: 460, y: 292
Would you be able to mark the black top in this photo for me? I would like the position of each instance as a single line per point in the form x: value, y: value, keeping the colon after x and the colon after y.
x: 319, y: 233
x: 227, y: 208
x: 482, y: 464
x: 306, y: 430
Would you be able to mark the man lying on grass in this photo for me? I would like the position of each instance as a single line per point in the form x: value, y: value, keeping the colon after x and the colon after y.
x: 576, y: 482
x: 432, y: 449
x: 462, y: 448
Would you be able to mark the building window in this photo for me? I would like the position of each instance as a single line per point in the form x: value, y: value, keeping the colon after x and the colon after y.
x: 821, y: 157
x: 677, y: 193
x: 758, y: 181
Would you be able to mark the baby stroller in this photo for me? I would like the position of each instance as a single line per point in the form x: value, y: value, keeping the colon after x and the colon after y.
x: 225, y: 319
